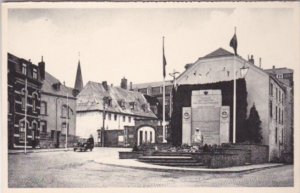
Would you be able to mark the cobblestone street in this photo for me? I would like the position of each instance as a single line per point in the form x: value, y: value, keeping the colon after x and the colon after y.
x: 78, y: 169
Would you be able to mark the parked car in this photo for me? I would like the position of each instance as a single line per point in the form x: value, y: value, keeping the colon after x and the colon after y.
x: 84, y: 145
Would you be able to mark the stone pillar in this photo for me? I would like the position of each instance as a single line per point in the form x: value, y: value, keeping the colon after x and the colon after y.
x: 186, y: 125
x: 224, y: 124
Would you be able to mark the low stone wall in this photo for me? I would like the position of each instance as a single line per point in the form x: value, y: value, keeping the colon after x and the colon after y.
x: 129, y: 155
x: 259, y: 153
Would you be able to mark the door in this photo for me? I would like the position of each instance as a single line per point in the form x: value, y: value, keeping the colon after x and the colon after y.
x: 57, y: 138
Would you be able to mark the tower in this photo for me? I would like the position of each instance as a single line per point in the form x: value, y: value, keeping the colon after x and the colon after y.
x: 78, y: 81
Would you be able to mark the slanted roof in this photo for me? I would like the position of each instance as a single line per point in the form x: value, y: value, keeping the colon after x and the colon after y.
x: 48, y: 88
x: 279, y: 70
x: 151, y: 84
x: 220, y: 52
x: 91, y: 99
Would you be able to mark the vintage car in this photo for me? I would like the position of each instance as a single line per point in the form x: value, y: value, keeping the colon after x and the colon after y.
x: 84, y: 145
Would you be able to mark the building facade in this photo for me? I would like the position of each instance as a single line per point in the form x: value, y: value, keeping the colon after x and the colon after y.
x: 24, y: 100
x: 120, y: 110
x: 155, y: 89
x: 285, y: 76
x: 57, y: 114
x: 263, y: 90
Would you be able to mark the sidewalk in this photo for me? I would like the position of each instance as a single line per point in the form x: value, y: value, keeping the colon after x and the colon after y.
x: 19, y: 151
x: 113, y: 160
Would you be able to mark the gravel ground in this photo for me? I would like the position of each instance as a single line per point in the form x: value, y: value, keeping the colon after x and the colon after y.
x: 78, y: 170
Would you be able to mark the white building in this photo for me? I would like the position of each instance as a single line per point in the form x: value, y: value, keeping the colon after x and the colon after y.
x: 121, y: 110
x: 263, y: 90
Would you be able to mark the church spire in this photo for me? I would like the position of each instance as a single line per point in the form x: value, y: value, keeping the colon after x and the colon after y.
x: 78, y: 81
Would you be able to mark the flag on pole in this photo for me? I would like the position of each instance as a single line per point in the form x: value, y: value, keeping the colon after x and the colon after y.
x: 234, y: 44
x: 164, y: 59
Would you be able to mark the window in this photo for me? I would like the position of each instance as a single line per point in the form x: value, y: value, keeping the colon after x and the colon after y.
x: 116, y: 117
x: 52, y: 134
x: 43, y: 108
x: 34, y: 102
x: 282, y: 136
x: 279, y: 76
x: 276, y: 114
x: 131, y: 105
x: 34, y: 73
x: 271, y: 89
x: 23, y: 102
x: 64, y: 127
x: 282, y: 98
x: 282, y: 117
x: 276, y: 94
x: 271, y: 108
x: 279, y: 95
x: 279, y: 116
x: 64, y: 111
x: 276, y: 134
x: 129, y: 119
x: 24, y: 69
x: 124, y: 118
x: 109, y: 116
x: 43, y: 126
x: 155, y: 90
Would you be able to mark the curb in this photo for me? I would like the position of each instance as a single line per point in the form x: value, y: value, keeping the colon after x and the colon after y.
x: 206, y: 170
x: 38, y: 151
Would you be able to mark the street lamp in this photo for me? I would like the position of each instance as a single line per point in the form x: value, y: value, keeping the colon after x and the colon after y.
x: 105, y: 102
x: 243, y: 71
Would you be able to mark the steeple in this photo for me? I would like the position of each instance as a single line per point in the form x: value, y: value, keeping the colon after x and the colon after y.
x: 78, y: 81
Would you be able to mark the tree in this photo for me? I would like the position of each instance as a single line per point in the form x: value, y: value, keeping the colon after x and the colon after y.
x: 253, y: 126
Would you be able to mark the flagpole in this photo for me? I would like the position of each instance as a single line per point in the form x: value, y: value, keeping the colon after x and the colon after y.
x: 234, y: 96
x: 234, y: 101
x: 25, y: 146
x: 164, y: 99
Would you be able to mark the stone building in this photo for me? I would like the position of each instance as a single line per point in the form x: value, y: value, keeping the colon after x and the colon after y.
x: 155, y: 89
x: 285, y: 76
x: 24, y: 96
x: 117, y: 107
x: 57, y: 113
x: 263, y: 90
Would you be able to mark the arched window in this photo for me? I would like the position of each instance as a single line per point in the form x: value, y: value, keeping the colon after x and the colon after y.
x: 34, y: 102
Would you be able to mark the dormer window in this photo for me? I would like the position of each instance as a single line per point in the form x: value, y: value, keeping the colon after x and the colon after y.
x: 24, y: 69
x: 56, y: 86
x: 132, y: 105
x: 122, y: 103
x: 145, y: 107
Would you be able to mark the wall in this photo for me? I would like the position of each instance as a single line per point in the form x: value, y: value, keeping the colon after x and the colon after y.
x: 276, y: 144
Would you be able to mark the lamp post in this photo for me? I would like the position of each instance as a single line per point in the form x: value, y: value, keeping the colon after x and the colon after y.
x: 105, y: 100
x: 243, y: 71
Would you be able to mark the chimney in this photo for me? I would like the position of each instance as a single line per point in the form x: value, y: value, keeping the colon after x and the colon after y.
x: 41, y: 66
x: 130, y: 86
x: 104, y: 84
x: 251, y: 60
x: 124, y: 83
x: 111, y: 85
x: 260, y: 62
x: 187, y: 66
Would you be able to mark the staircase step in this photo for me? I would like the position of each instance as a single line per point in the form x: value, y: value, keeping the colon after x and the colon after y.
x: 167, y: 161
x: 180, y: 164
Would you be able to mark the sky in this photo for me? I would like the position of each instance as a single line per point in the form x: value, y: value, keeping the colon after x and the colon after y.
x: 127, y: 42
